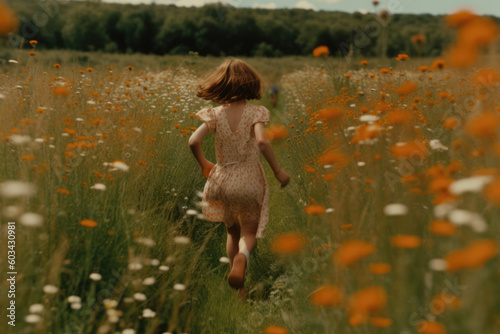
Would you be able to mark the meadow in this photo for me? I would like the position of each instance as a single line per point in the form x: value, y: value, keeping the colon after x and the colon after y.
x: 388, y: 225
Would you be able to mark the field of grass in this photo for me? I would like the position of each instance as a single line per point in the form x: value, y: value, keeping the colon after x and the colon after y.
x: 388, y: 225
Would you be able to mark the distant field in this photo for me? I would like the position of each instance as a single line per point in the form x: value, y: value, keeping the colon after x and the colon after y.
x: 389, y: 223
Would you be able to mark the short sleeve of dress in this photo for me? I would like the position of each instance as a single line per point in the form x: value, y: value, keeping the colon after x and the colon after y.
x: 261, y: 114
x: 207, y: 115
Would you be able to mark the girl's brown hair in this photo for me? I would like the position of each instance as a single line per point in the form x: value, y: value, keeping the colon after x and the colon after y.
x: 232, y: 81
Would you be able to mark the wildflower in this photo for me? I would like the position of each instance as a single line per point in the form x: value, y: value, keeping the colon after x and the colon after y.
x: 8, y: 20
x: 60, y: 91
x: 479, y: 31
x: 57, y: 65
x: 402, y: 57
x: 130, y: 68
x: 423, y: 68
x: 139, y: 296
x: 406, y: 241
x: 487, y: 77
x: 395, y: 209
x: 475, y: 255
x: 321, y: 51
x: 31, y: 219
x: 399, y: 116
x: 470, y: 184
x: 118, y: 164
x: 418, y: 39
x: 99, y: 186
x: 460, y: 18
x: 182, y: 240
x: 329, y: 113
x: 379, y: 268
x: 352, y: 251
x: 179, y: 287
x: 224, y: 260
x: 32, y: 318
x: 410, y: 149
x: 438, y: 64
x: 407, y: 88
x: 431, y: 327
x: 314, y: 209
x: 33, y: 43
x: 32, y: 53
x: 74, y: 299
x: 380, y: 322
x: 289, y: 243
x: 327, y: 295
x: 331, y: 158
x: 442, y: 227
x: 90, y: 69
x: 276, y: 132
x: 484, y: 125
x: 347, y: 75
x: 275, y: 330
x: 364, y: 302
x: 95, y: 276
x: 50, y: 289
x: 15, y: 189
x: 386, y: 71
x: 492, y: 191
x: 88, y: 223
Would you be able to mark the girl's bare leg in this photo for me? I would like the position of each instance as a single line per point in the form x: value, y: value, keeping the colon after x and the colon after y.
x: 233, y: 238
x: 247, y: 243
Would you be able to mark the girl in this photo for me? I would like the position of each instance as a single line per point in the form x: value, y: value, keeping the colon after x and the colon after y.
x: 236, y: 190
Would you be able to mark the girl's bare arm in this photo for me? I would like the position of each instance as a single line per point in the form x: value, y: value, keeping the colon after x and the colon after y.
x: 195, y: 146
x: 267, y: 150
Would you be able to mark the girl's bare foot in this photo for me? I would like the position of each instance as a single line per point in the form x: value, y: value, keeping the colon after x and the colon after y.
x: 236, y: 277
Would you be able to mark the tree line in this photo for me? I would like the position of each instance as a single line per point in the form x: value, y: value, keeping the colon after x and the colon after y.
x: 221, y: 30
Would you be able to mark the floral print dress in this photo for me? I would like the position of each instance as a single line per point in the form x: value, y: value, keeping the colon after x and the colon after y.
x: 236, y: 189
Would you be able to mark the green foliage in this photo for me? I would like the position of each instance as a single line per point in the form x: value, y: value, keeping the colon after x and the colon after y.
x: 221, y: 30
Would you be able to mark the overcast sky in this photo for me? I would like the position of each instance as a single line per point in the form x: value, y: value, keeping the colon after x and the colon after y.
x: 490, y: 7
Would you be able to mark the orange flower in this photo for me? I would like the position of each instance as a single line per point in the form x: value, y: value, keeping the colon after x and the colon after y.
x: 290, y: 243
x: 314, y: 209
x: 90, y: 69
x: 329, y: 113
x: 475, y: 255
x: 459, y: 18
x: 366, y: 301
x: 8, y: 20
x: 483, y: 126
x: 321, y: 51
x: 364, y: 63
x: 418, y: 39
x: 406, y: 241
x: 480, y: 31
x: 276, y: 132
x: 442, y: 227
x: 60, y: 91
x: 380, y: 322
x: 331, y: 158
x: 365, y: 132
x: 486, y: 77
x: 275, y: 330
x: 347, y: 76
x: 63, y: 191
x: 406, y: 88
x: 442, y: 301
x: 400, y: 116
x: 438, y: 64
x: 409, y: 149
x: 380, y: 268
x: 57, y: 65
x: 450, y: 123
x: 28, y: 157
x: 423, y: 68
x: 88, y: 223
x: 431, y: 327
x: 352, y: 251
x: 386, y: 71
x: 327, y: 295
x: 402, y: 57
x: 462, y: 55
x: 492, y: 191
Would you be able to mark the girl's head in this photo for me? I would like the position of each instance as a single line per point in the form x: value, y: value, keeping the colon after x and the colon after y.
x: 232, y: 81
